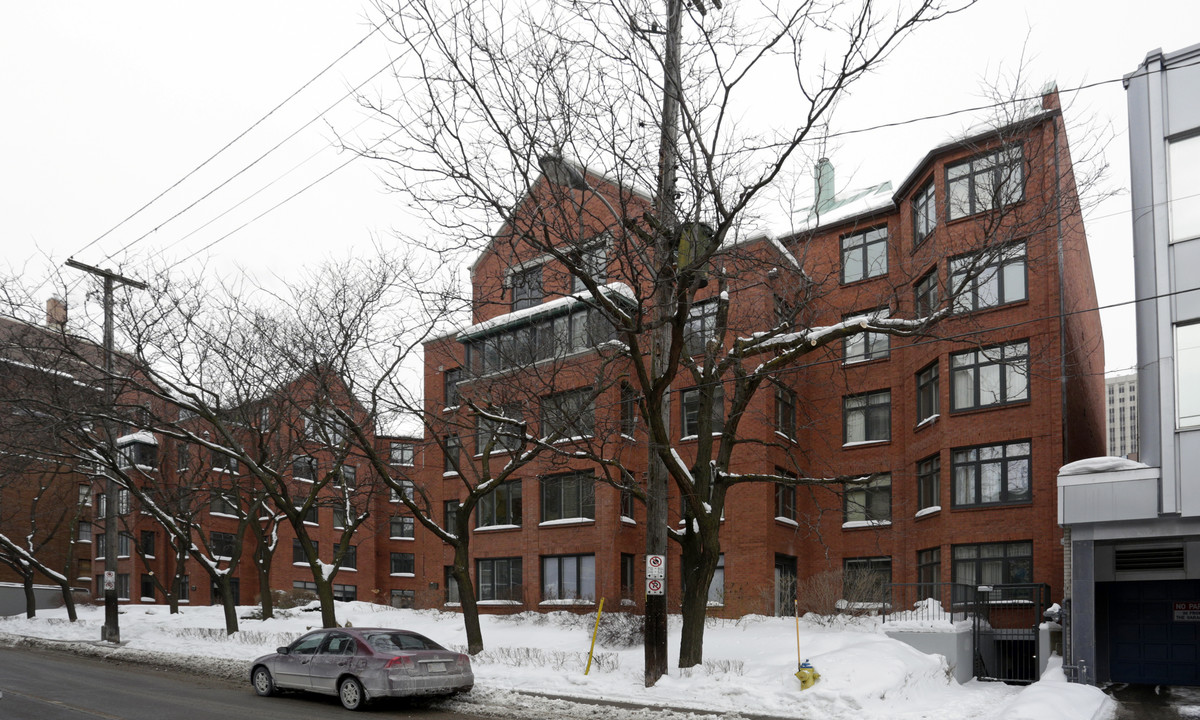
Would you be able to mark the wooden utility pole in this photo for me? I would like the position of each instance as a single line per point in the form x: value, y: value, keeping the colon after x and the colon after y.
x: 664, y: 290
x: 111, y: 632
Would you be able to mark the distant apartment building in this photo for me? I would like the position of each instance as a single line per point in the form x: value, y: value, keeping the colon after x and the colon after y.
x: 1121, y: 421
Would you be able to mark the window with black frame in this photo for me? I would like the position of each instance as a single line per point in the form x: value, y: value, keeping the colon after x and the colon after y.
x: 501, y: 507
x: 571, y: 496
x: 992, y: 474
x: 987, y: 181
x: 499, y: 579
x: 868, y: 502
x: 867, y: 417
x: 986, y: 565
x: 865, y: 254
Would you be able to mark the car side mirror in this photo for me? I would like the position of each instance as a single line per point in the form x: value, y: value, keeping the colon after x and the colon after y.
x: 283, y: 650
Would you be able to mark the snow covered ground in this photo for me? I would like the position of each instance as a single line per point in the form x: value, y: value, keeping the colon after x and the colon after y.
x: 749, y: 668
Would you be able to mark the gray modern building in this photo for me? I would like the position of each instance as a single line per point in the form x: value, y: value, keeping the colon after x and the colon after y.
x: 1133, y: 530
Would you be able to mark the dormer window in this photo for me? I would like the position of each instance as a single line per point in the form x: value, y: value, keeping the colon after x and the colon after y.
x: 140, y: 449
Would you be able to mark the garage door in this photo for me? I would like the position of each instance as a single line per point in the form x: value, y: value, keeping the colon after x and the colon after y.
x: 1153, y: 639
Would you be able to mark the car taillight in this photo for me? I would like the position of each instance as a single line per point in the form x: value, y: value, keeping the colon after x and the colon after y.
x: 462, y: 661
x: 401, y: 662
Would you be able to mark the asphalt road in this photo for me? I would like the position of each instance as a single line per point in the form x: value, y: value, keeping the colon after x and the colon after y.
x: 37, y: 685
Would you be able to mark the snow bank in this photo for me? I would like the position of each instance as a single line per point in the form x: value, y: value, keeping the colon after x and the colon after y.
x: 1100, y: 464
x: 536, y: 660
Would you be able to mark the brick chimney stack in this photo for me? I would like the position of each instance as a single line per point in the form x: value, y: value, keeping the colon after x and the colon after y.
x: 56, y: 314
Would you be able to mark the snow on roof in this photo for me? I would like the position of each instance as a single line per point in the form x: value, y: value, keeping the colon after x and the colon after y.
x: 547, y: 308
x: 846, y: 206
x: 1100, y: 464
x: 142, y: 437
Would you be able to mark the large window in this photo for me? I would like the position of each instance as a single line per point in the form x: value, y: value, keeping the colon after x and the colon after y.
x: 304, y: 468
x: 403, y: 454
x: 452, y: 446
x: 993, y: 563
x: 498, y: 579
x: 1187, y: 368
x: 870, y: 501
x: 501, y: 506
x: 690, y: 410
x: 929, y: 573
x: 403, y: 563
x: 785, y: 501
x: 629, y: 409
x: 350, y: 559
x: 526, y: 287
x: 493, y: 435
x: 402, y: 527
x: 984, y: 182
x: 867, y: 417
x: 992, y: 474
x: 1183, y: 187
x: 592, y: 260
x: 701, y: 327
x: 929, y: 482
x: 407, y: 488
x: 550, y: 337
x: 570, y: 414
x: 298, y: 551
x: 925, y: 293
x: 927, y: 392
x: 221, y: 545
x: 990, y: 278
x: 924, y: 208
x: 785, y: 411
x: 864, y: 255
x: 568, y: 497
x: 865, y: 346
x: 996, y: 375
x: 569, y: 577
x: 866, y: 580
x: 450, y: 380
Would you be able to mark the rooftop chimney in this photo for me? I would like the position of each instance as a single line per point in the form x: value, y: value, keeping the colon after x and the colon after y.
x: 56, y: 314
x: 823, y: 185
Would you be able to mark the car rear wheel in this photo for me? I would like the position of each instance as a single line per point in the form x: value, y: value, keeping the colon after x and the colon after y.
x: 263, y: 683
x: 350, y: 692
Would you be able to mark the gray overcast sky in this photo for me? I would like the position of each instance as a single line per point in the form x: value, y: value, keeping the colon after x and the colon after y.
x: 108, y: 104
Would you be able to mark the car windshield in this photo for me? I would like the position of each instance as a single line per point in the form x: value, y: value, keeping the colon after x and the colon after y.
x: 395, y: 641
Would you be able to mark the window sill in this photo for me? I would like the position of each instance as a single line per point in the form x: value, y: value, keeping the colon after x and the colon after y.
x: 786, y: 521
x: 990, y: 408
x: 866, y: 361
x: 347, y: 569
x: 450, y: 473
x: 787, y: 437
x: 497, y: 528
x: 858, y: 281
x: 567, y: 602
x: 310, y: 481
x: 499, y: 603
x: 402, y: 575
x: 992, y: 505
x: 926, y: 512
x: 692, y: 438
x: 567, y: 522
x: 858, y: 524
x: 931, y: 420
x: 455, y: 604
x: 626, y: 520
x: 864, y: 443
x: 224, y: 515
x: 405, y: 539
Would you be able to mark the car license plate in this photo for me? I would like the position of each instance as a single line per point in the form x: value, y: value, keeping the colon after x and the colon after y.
x: 435, y: 667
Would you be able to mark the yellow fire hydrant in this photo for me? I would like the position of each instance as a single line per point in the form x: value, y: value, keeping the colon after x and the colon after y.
x: 807, y: 675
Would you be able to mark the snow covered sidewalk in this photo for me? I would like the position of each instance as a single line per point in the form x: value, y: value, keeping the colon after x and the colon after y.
x: 532, y: 657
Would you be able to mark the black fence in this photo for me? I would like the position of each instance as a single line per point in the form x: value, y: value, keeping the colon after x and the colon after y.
x: 928, y: 602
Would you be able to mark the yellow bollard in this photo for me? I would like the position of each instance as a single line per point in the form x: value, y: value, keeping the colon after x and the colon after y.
x: 595, y: 630
x: 807, y: 675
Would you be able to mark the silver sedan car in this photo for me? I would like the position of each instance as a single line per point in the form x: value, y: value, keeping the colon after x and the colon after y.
x: 361, y: 664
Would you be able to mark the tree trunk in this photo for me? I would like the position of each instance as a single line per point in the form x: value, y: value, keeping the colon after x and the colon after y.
x: 698, y: 564
x: 466, y: 597
x: 68, y: 599
x: 231, y: 618
x: 30, y: 598
x: 325, y: 595
x: 267, y: 598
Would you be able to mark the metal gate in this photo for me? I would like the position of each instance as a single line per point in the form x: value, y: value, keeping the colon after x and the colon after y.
x: 1005, y: 631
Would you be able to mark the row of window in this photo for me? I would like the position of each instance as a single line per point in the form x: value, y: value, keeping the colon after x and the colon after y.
x: 976, y: 564
x: 985, y: 182
x: 981, y: 378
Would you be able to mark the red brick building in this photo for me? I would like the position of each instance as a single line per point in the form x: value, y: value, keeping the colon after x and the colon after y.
x: 951, y: 437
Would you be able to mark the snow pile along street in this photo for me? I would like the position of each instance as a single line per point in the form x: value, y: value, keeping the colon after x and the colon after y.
x: 748, y: 671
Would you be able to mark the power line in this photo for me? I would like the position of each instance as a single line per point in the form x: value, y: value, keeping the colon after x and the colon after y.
x: 240, y: 135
